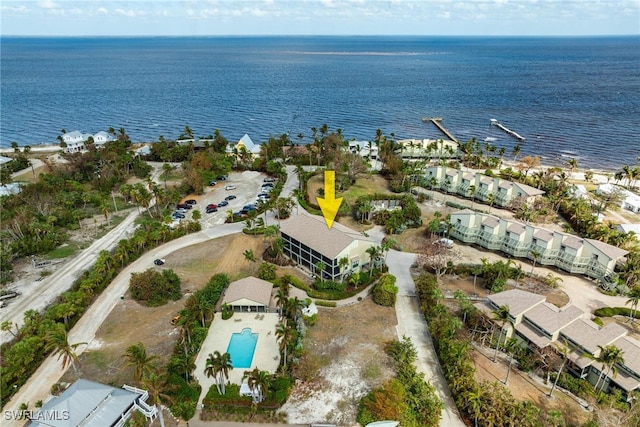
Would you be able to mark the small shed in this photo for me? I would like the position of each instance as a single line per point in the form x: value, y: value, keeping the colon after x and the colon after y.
x: 248, y: 294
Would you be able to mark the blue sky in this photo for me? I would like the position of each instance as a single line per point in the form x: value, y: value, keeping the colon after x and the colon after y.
x: 325, y: 17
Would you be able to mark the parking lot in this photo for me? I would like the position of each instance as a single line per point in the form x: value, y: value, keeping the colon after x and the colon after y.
x: 247, y: 186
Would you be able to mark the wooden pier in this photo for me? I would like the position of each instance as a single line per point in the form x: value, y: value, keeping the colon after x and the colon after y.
x: 437, y: 121
x: 494, y: 122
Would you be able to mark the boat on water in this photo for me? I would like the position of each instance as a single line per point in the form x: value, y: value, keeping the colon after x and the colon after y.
x: 383, y: 424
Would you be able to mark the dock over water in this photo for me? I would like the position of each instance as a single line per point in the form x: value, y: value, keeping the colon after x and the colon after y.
x: 437, y: 121
x: 494, y: 122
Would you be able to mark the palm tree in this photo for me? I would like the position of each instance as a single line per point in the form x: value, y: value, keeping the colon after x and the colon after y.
x: 343, y: 263
x: 535, y: 254
x: 572, y: 164
x: 285, y: 336
x: 634, y: 299
x: 472, y: 193
x: 610, y: 356
x: 564, y: 350
x: 374, y: 253
x: 510, y: 346
x: 218, y: 365
x: 156, y: 384
x: 136, y: 357
x: 57, y: 342
x: 249, y: 256
x: 474, y: 398
x: 320, y: 266
x: 501, y: 314
x: 516, y: 151
x: 258, y: 382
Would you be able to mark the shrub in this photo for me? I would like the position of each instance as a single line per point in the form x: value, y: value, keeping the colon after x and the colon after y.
x: 153, y: 288
x: 267, y: 271
x: 385, y: 291
x: 329, y: 285
x: 322, y: 303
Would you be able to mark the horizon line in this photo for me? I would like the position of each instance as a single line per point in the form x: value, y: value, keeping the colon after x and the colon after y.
x: 313, y: 35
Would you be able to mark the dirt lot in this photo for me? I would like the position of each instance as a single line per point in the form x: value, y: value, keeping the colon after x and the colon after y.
x: 341, y: 363
x: 195, y: 265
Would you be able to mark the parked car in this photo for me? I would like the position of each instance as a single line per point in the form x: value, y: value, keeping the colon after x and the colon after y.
x: 269, y: 179
x: 212, y: 205
x: 268, y: 184
x: 447, y: 243
x: 158, y: 261
x: 230, y: 187
x: 230, y: 197
x: 184, y: 206
x: 181, y: 210
x: 211, y: 210
x: 212, y: 183
x: 177, y: 215
x: 222, y: 178
x: 191, y: 202
x: 223, y: 203
x: 264, y: 195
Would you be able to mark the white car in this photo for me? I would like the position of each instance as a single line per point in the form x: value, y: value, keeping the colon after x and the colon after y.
x: 230, y: 187
x: 447, y: 243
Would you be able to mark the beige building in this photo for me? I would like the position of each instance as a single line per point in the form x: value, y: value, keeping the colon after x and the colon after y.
x: 539, y: 324
x: 566, y: 251
x: 248, y: 294
x: 308, y: 241
x: 428, y: 148
x: 479, y: 186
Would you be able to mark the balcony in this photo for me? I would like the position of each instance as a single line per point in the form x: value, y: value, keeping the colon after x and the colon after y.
x: 465, y: 234
x: 490, y: 240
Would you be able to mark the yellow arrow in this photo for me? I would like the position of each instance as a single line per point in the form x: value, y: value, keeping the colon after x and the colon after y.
x: 329, y: 204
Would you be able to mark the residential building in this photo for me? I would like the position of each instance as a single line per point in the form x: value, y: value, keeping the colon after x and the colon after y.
x: 247, y: 144
x: 248, y: 294
x: 479, y: 186
x: 628, y: 200
x: 538, y: 324
x: 308, y: 241
x: 75, y: 140
x: 428, y: 148
x: 89, y: 404
x: 590, y: 257
x: 368, y: 149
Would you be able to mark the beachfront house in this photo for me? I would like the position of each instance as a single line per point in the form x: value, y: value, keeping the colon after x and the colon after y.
x: 538, y: 324
x: 470, y: 184
x: 568, y: 252
x: 365, y: 149
x: 87, y: 403
x: 308, y: 242
x: 246, y: 144
x: 428, y: 148
x: 75, y: 140
x: 627, y: 200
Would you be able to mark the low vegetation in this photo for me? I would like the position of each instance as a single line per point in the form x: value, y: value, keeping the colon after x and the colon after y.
x: 153, y: 288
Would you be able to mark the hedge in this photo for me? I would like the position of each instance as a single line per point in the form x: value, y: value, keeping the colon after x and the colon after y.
x: 617, y: 311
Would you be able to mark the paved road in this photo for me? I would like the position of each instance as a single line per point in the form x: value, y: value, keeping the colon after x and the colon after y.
x: 411, y: 323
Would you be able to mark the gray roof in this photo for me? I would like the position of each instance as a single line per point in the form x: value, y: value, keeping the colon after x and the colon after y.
x: 505, y: 184
x: 548, y: 317
x: 486, y: 180
x: 631, y: 348
x: 251, y: 288
x: 4, y: 160
x: 516, y: 227
x: 589, y: 335
x: 542, y: 234
x: 87, y: 403
x: 451, y: 172
x: 491, y: 221
x: 572, y: 241
x: 528, y: 190
x: 312, y: 231
x: 611, y: 251
x: 517, y: 300
x: 533, y: 335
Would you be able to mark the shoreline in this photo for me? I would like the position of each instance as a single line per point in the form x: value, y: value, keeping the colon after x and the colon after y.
x: 53, y: 148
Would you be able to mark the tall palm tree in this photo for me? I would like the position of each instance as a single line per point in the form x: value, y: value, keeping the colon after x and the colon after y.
x: 57, y: 342
x: 343, y: 263
x: 634, y: 299
x: 285, y: 336
x: 501, y: 314
x: 156, y: 385
x: 564, y: 350
x: 136, y: 357
x: 610, y: 356
x: 511, y: 347
x: 374, y: 253
x: 258, y: 382
x: 218, y: 365
x: 320, y: 266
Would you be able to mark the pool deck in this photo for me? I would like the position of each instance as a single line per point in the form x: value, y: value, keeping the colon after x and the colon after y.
x: 266, y: 356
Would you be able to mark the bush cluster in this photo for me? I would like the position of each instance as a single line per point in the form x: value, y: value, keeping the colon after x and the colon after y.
x: 385, y: 291
x: 153, y: 288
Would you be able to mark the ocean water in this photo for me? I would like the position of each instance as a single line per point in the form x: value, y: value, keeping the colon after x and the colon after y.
x: 570, y: 97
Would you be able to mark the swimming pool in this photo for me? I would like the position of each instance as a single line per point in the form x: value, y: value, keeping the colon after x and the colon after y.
x: 241, y: 348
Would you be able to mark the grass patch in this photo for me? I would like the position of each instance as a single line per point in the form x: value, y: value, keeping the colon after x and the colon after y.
x: 98, y: 358
x: 64, y: 251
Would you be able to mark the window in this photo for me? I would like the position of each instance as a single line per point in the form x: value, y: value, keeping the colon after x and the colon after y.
x: 563, y: 248
x: 458, y: 221
x: 534, y: 242
x: 355, y: 263
x: 594, y: 257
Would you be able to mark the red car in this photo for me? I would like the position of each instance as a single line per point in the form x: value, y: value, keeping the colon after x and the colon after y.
x: 212, y: 206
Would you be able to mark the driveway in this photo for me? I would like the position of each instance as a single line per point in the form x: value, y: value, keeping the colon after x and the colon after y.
x: 411, y: 323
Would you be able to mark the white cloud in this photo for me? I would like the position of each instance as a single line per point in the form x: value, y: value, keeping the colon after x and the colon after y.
x: 20, y: 9
x: 48, y: 4
x: 129, y: 12
x: 103, y: 11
